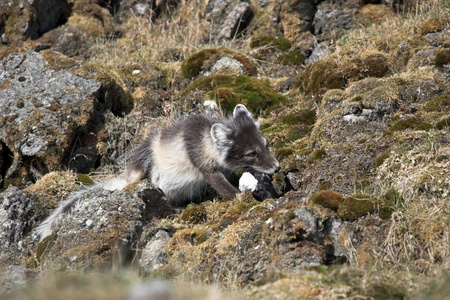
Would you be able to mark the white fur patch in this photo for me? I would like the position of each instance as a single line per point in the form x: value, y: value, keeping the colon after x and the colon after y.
x: 211, y: 153
x: 173, y: 171
x: 241, y: 109
x: 219, y: 133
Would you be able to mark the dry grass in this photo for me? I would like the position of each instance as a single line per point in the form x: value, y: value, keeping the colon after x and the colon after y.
x: 170, y: 38
x: 418, y: 238
x: 388, y: 34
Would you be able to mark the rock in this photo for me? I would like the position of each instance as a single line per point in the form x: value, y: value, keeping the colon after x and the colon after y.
x: 98, y: 233
x: 420, y: 59
x: 321, y: 230
x: 226, y: 64
x: 70, y: 41
x: 331, y: 17
x: 287, y: 84
x: 153, y: 255
x: 228, y: 20
x: 155, y: 204
x: 320, y: 49
x: 14, y: 278
x: 43, y: 106
x: 30, y: 19
x: 296, y: 18
x: 16, y: 219
x: 294, y: 179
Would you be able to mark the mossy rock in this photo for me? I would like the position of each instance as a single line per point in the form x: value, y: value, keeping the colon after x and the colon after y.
x: 52, y: 187
x: 430, y: 26
x: 368, y: 64
x: 204, y: 59
x: 194, y: 214
x: 439, y: 103
x: 228, y: 91
x: 191, y: 237
x: 235, y: 211
x: 415, y: 123
x: 58, y: 61
x: 327, y: 199
x: 325, y: 185
x: 322, y: 75
x: 442, y: 56
x: 114, y: 92
x: 293, y: 57
x: 355, y: 207
x: 278, y: 42
x: 96, y: 25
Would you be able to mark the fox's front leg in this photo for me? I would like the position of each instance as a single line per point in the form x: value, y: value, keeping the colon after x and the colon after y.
x: 220, y: 183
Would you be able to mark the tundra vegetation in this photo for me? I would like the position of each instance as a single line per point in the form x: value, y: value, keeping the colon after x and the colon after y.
x: 352, y: 96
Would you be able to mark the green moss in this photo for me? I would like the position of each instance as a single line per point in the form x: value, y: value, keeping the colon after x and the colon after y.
x: 368, y: 64
x: 325, y: 185
x: 307, y: 116
x: 318, y: 154
x: 320, y: 76
x: 279, y: 42
x: 385, y: 208
x: 58, y: 61
x: 192, y: 236
x: 439, y: 103
x: 410, y: 123
x: 327, y: 199
x: 430, y: 26
x: 44, y: 247
x: 442, y: 57
x: 382, y: 157
x: 293, y: 57
x: 194, y: 214
x: 283, y: 152
x: 85, y: 179
x: 356, y: 206
x: 228, y: 91
x: 193, y: 65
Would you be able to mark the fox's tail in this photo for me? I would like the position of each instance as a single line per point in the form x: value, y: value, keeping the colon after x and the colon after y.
x: 65, y: 207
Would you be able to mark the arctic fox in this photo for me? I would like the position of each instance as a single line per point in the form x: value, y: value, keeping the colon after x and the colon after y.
x: 189, y: 158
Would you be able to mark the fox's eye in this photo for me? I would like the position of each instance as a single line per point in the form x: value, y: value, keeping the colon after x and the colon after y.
x: 251, y: 154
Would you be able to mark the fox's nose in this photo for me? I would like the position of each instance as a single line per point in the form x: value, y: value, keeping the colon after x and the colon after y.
x: 277, y: 169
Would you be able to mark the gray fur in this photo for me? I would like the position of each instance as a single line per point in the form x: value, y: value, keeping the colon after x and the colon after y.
x: 191, y: 157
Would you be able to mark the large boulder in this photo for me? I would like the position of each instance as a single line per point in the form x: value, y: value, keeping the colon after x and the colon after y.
x: 43, y: 106
x: 21, y: 19
x: 98, y: 233
x: 228, y: 19
x: 16, y: 219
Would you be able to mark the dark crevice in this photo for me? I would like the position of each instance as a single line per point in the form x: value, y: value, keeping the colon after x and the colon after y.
x: 6, y: 161
x: 240, y: 28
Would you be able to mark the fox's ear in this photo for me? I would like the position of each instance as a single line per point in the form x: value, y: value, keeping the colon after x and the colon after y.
x: 241, y: 110
x: 219, y: 134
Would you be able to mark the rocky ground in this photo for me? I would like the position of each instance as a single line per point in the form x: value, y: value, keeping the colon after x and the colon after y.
x: 353, y: 97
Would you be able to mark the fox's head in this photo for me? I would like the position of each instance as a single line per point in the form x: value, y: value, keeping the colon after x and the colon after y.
x: 241, y: 144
